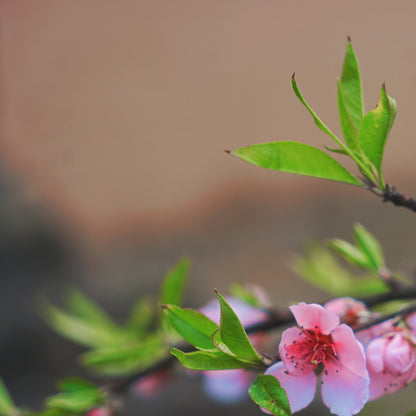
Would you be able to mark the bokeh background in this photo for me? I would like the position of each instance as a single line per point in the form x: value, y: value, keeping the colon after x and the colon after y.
x: 114, y: 120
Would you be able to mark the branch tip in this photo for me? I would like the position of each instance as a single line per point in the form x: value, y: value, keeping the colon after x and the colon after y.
x: 349, y: 38
x: 227, y: 151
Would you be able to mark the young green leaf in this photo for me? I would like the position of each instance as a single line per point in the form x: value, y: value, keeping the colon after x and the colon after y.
x: 7, y: 407
x: 320, y: 268
x: 125, y: 359
x: 76, y: 401
x: 219, y: 343
x: 75, y: 384
x: 374, y: 130
x: 141, y: 316
x: 267, y: 392
x: 234, y: 335
x: 316, y: 119
x: 369, y: 246
x: 88, y: 310
x: 193, y: 326
x: 78, y: 330
x: 349, y: 131
x: 351, y: 253
x: 174, y: 283
x: 351, y: 88
x: 203, y: 360
x: 76, y: 395
x: 294, y: 157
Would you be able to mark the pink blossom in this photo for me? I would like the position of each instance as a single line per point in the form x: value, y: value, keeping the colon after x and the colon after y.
x: 231, y: 386
x: 151, y: 384
x: 98, y: 411
x: 351, y: 311
x: 391, y: 357
x: 227, y: 386
x: 322, y: 345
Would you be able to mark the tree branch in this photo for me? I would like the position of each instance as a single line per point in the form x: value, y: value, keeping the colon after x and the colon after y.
x: 391, y: 194
x: 277, y: 318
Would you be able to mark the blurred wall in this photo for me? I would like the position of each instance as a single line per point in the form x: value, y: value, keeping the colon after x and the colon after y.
x: 114, y: 120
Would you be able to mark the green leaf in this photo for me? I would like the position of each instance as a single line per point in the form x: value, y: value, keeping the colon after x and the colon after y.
x: 234, y: 335
x: 75, y: 384
x: 349, y: 131
x: 77, y: 395
x: 221, y: 346
x: 76, y: 329
x: 203, y: 360
x: 76, y: 401
x: 320, y: 268
x: 141, y: 316
x: 7, y: 407
x: 174, y: 283
x: 369, y: 246
x: 294, y: 157
x: 374, y: 130
x: 85, y: 308
x: 193, y: 326
x: 267, y: 392
x: 351, y: 253
x: 316, y: 119
x: 125, y: 359
x: 351, y: 88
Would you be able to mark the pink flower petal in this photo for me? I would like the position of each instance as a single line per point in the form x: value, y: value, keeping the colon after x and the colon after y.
x: 387, y: 383
x: 411, y: 321
x: 227, y: 386
x: 151, y: 384
x: 367, y: 335
x: 375, y: 354
x: 314, y: 317
x: 300, y: 390
x: 349, y: 351
x: 343, y: 391
x: 398, y: 354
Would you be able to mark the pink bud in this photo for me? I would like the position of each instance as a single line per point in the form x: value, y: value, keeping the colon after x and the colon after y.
x: 349, y: 310
x: 151, y: 384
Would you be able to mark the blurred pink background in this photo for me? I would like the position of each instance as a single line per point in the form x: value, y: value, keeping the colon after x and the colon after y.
x: 114, y: 120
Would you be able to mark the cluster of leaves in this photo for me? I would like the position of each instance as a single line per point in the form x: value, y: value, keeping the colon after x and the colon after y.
x: 75, y: 397
x: 226, y: 347
x: 114, y: 349
x: 221, y: 347
x: 365, y: 136
x: 320, y: 267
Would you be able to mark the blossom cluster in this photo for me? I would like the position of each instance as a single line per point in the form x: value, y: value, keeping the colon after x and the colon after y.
x: 353, y: 368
